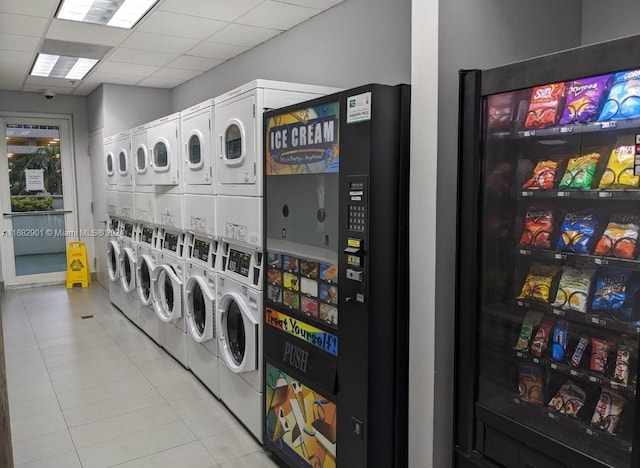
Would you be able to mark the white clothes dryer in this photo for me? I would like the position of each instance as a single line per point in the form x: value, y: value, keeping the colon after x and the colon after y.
x: 110, y: 164
x: 238, y: 131
x: 197, y: 160
x: 146, y: 262
x: 163, y: 139
x: 123, y: 160
x: 239, y: 332
x: 142, y: 173
x: 200, y: 313
x: 167, y: 289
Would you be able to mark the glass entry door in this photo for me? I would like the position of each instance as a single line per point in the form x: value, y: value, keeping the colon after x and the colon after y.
x: 38, y: 199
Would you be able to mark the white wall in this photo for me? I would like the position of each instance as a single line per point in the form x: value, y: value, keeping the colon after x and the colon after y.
x: 602, y: 21
x: 353, y: 43
x: 125, y: 107
x: 76, y: 107
x: 471, y: 34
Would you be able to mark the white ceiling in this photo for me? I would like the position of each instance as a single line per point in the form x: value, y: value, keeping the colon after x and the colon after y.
x: 176, y: 41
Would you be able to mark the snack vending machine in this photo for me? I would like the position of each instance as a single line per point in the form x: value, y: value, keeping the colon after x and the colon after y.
x: 336, y: 289
x: 548, y: 287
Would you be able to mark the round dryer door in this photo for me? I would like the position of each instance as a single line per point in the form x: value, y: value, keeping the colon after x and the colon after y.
x: 200, y: 309
x: 160, y: 156
x: 141, y: 160
x: 194, y: 151
x: 113, y: 260
x: 238, y: 334
x: 123, y: 163
x: 144, y: 270
x: 128, y: 270
x: 110, y: 164
x: 166, y: 289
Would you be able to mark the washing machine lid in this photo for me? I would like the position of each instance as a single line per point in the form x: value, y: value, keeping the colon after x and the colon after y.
x: 166, y: 289
x: 113, y: 260
x: 238, y: 334
x: 200, y: 309
x: 144, y: 271
x: 128, y: 269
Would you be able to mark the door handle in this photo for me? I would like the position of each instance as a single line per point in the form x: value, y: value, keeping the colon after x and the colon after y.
x: 103, y: 221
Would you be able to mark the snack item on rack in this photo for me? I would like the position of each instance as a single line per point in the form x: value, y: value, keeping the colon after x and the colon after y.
x: 538, y: 226
x: 621, y: 371
x: 500, y: 110
x: 544, y: 105
x: 630, y: 310
x: 531, y: 320
x: 559, y: 344
x: 619, y: 173
x: 531, y: 384
x: 544, y: 175
x: 583, y: 99
x: 599, y: 354
x: 541, y: 340
x: 579, y: 172
x: 538, y: 282
x: 623, y: 101
x: 574, y: 287
x: 569, y: 400
x: 576, y: 358
x: 620, y: 237
x: 611, y: 289
x: 608, y: 411
x: 576, y: 231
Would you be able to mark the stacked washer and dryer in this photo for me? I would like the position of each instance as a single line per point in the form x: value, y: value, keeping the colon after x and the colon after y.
x: 239, y: 213
x: 201, y: 246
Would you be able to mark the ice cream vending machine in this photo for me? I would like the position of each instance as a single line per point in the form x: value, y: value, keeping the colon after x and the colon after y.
x: 336, y: 288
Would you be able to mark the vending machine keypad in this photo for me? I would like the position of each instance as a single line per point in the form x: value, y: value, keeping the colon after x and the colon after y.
x: 356, y: 218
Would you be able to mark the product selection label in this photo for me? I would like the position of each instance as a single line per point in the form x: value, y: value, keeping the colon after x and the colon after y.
x: 308, y: 333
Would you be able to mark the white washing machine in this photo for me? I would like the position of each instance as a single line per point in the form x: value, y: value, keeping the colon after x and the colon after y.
x: 123, y: 160
x: 196, y: 146
x: 116, y: 293
x: 127, y: 261
x: 146, y: 257
x: 200, y: 310
x: 239, y: 332
x: 238, y: 131
x: 167, y: 290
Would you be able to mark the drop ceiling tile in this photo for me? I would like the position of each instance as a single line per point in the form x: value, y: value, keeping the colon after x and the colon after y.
x: 10, y: 57
x: 248, y: 36
x: 109, y: 66
x: 142, y: 57
x: 42, y: 8
x: 19, y: 43
x: 116, y: 78
x: 175, y: 74
x: 156, y: 42
x: 24, y: 25
x: 174, y: 24
x: 11, y: 78
x: 317, y: 4
x: 76, y: 31
x: 41, y: 82
x: 223, y: 10
x: 188, y: 62
x: 276, y: 15
x: 161, y: 83
x: 216, y: 50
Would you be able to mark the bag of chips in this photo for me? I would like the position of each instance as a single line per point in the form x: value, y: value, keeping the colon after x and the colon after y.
x: 544, y: 105
x: 611, y: 289
x: 531, y: 384
x: 579, y: 172
x: 576, y: 232
x: 541, y: 340
x: 583, y: 99
x: 608, y: 411
x: 500, y: 110
x: 623, y: 101
x: 573, y: 289
x: 599, y: 354
x: 620, y: 237
x: 619, y: 173
x: 538, y: 227
x: 569, y: 400
x: 559, y: 343
x: 543, y: 176
x: 538, y: 282
x: 531, y: 320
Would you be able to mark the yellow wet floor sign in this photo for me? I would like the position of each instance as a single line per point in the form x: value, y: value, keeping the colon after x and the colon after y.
x: 77, y: 265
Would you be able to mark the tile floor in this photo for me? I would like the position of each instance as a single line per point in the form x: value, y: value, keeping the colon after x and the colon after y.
x: 97, y: 392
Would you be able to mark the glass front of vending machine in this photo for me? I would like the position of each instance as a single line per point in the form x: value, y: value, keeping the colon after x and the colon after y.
x: 549, y: 293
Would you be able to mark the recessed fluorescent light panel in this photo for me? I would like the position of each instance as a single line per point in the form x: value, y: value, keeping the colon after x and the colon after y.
x: 117, y: 13
x: 56, y: 66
